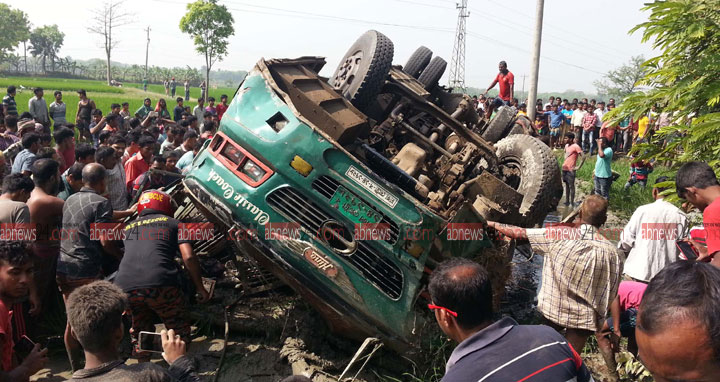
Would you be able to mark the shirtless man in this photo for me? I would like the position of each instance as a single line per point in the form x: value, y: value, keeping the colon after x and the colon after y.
x: 46, y: 213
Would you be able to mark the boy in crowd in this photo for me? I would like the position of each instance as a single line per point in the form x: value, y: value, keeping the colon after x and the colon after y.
x: 65, y: 147
x: 125, y: 112
x: 179, y: 109
x: 116, y: 192
x: 84, y: 153
x: 140, y: 162
x: 572, y: 152
x: 211, y: 106
x: 25, y: 158
x: 557, y: 119
x: 148, y: 272
x: 188, y: 142
x: 222, y: 106
x: 150, y: 180
x: 199, y: 109
x: 588, y: 130
x: 603, y: 172
x: 16, y: 277
x: 95, y: 314
x: 174, y: 139
x: 186, y: 159
x: 639, y: 172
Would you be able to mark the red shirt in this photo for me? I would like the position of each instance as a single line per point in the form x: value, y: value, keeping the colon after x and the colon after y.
x: 134, y: 167
x: 220, y: 109
x: 630, y: 294
x: 504, y: 82
x: 711, y: 222
x: 571, y: 155
x: 68, y: 158
x: 6, y: 338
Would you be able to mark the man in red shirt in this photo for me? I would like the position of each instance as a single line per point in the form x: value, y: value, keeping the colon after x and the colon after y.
x: 222, y: 107
x: 506, y: 82
x: 139, y: 164
x: 572, y: 152
x: 696, y: 182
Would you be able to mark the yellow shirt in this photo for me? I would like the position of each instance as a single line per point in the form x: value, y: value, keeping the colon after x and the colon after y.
x: 642, y: 125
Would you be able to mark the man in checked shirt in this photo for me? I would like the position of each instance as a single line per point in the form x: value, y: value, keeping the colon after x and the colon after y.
x: 581, y: 271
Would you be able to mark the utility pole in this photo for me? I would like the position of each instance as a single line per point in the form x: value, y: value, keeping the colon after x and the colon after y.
x: 147, y: 47
x: 523, y: 88
x: 457, y: 64
x: 535, y: 65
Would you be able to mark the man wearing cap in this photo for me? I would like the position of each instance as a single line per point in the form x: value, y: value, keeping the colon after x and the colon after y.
x: 148, y: 272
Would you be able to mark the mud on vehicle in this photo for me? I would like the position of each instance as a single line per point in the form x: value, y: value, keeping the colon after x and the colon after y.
x: 351, y: 189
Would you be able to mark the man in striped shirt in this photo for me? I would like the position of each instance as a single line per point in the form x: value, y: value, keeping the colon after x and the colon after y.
x: 490, y: 351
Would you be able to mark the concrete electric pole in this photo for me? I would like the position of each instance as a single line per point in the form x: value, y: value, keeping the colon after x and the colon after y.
x: 147, y: 48
x: 457, y: 64
x: 535, y: 65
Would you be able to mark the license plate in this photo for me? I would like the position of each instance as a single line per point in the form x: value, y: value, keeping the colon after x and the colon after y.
x: 353, y: 208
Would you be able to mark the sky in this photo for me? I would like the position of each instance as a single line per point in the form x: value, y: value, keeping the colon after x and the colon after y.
x: 582, y: 40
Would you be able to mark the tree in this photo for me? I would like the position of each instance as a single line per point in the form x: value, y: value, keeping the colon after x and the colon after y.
x: 684, y: 80
x: 619, y: 83
x: 14, y: 29
x: 45, y: 42
x: 210, y: 26
x: 107, y: 18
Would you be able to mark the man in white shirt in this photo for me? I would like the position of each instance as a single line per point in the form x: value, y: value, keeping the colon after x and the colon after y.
x: 37, y: 106
x: 577, y: 117
x: 649, y: 238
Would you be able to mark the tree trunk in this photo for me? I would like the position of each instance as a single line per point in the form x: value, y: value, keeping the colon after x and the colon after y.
x: 108, y: 67
x: 25, y: 54
x: 207, y: 84
x: 43, y: 64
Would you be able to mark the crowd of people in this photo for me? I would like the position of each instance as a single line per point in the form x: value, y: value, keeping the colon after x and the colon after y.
x: 98, y: 169
x: 66, y: 183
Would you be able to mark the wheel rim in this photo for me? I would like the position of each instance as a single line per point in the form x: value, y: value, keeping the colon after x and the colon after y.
x: 511, y: 172
x: 346, y: 73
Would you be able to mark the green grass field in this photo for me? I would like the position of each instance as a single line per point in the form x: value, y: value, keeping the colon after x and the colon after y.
x: 99, y: 92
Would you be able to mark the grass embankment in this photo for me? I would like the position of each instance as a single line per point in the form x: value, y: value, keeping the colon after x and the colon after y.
x: 98, y: 91
x: 622, y: 202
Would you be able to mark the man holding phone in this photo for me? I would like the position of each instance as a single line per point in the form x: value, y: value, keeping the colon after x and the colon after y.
x: 95, y: 316
x: 148, y: 272
x: 696, y: 182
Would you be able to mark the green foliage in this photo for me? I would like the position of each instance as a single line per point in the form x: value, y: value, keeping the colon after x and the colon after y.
x: 14, y: 29
x: 620, y: 82
x: 210, y: 26
x: 684, y: 80
x: 45, y: 42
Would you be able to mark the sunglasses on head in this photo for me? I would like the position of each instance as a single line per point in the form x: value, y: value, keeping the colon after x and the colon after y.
x: 450, y: 312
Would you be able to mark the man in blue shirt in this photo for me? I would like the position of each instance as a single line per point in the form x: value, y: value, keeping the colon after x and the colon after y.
x: 498, y: 351
x: 557, y: 119
x: 603, y: 173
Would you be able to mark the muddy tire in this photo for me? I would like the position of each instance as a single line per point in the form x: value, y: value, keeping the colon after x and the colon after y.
x: 433, y: 72
x: 500, y: 125
x: 418, y: 61
x: 529, y: 166
x: 516, y: 129
x: 364, y: 68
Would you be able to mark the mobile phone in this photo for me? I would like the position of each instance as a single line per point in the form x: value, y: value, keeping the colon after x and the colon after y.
x: 151, y: 342
x: 24, y: 346
x: 687, y: 250
x: 209, y: 285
